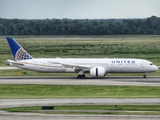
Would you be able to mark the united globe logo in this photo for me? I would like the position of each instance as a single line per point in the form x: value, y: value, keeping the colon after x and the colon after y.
x: 22, y: 55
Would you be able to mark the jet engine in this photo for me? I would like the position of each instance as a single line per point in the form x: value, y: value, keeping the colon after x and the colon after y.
x: 98, y: 72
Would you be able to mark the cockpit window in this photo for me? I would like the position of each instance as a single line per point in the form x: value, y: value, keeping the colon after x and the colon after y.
x: 151, y: 63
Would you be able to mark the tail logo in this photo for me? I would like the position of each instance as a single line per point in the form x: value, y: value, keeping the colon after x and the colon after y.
x: 21, y: 54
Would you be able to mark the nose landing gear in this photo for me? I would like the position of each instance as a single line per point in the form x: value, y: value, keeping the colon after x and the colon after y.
x: 145, y: 75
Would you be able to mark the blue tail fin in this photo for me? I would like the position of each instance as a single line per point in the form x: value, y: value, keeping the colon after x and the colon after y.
x: 18, y: 52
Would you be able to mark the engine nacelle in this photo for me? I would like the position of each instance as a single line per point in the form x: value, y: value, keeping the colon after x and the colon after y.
x: 98, y: 72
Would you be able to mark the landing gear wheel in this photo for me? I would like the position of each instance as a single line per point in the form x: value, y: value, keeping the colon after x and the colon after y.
x: 81, y: 76
x: 144, y: 76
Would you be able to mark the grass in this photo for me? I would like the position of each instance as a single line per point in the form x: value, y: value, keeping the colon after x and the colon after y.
x: 69, y: 91
x: 145, y: 47
x: 83, y: 109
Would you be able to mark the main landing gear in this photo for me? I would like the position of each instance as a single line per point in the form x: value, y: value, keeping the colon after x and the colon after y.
x: 145, y: 75
x: 81, y: 76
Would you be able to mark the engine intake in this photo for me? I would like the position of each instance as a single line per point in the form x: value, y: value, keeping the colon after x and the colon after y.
x: 98, y: 72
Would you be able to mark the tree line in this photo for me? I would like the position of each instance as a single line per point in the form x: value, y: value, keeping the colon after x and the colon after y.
x: 147, y: 26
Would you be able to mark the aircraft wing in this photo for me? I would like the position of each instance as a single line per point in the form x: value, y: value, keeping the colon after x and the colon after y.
x: 74, y: 66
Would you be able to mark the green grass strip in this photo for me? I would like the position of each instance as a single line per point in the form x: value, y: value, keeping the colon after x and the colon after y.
x: 77, y: 91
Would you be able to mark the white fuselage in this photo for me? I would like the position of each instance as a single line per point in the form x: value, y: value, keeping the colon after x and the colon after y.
x: 112, y: 65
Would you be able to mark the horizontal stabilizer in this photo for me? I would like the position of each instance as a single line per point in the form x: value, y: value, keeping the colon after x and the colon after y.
x: 13, y: 62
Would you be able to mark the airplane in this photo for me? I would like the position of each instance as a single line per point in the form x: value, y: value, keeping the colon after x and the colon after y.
x: 97, y: 67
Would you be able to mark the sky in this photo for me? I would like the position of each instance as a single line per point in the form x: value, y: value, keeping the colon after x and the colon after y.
x: 79, y: 9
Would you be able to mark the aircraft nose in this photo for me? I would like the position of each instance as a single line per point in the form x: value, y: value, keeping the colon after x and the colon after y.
x: 156, y: 68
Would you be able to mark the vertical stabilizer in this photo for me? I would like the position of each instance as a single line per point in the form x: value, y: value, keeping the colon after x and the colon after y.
x: 18, y: 52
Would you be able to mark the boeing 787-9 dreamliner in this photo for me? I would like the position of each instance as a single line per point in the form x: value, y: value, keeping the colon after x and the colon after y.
x: 97, y: 67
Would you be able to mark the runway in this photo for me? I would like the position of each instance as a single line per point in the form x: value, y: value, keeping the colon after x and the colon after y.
x: 38, y: 116
x: 4, y: 103
x: 116, y: 81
